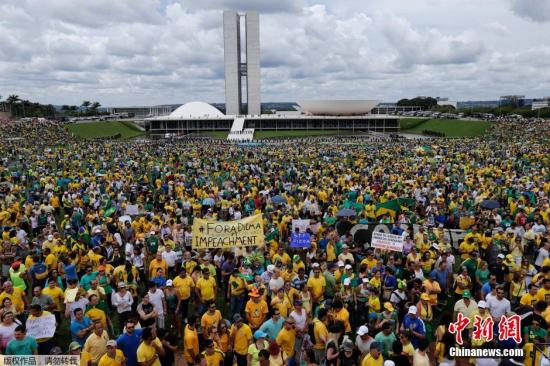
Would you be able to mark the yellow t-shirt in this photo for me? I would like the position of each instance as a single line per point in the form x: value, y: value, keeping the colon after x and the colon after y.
x: 106, y: 360
x: 95, y: 313
x: 183, y: 286
x: 16, y: 298
x: 256, y: 312
x: 285, y: 340
x: 319, y: 330
x: 343, y: 316
x: 543, y: 295
x: 215, y: 359
x: 317, y: 285
x: 238, y: 285
x: 51, y: 261
x: 190, y: 342
x: 146, y: 352
x: 85, y: 358
x: 528, y: 299
x: 242, y: 338
x: 207, y: 288
x: 209, y: 320
x: 370, y: 361
x: 96, y: 345
x: 57, y: 296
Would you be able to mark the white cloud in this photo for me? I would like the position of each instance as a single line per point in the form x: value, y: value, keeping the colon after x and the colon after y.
x: 537, y: 10
x: 164, y: 51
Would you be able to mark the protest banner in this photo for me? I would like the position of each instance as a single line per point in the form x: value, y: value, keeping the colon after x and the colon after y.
x: 41, y: 327
x: 226, y: 234
x: 132, y: 210
x: 301, y: 225
x: 300, y: 240
x: 387, y: 241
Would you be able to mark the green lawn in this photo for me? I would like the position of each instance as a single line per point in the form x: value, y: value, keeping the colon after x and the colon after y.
x: 266, y: 134
x: 450, y: 127
x: 104, y: 129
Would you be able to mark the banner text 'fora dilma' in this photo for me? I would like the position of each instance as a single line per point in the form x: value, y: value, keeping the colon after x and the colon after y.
x: 226, y: 234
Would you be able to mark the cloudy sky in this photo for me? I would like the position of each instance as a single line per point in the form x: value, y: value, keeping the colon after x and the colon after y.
x: 142, y: 52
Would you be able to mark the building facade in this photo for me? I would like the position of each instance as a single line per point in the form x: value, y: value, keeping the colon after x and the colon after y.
x: 239, y: 74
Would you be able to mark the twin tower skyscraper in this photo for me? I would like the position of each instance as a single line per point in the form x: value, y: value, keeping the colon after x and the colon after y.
x: 242, y: 64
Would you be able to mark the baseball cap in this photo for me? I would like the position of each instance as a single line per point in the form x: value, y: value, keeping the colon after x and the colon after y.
x: 259, y: 334
x: 121, y: 284
x: 169, y: 283
x: 363, y: 329
x: 15, y: 266
x: 388, y: 306
x: 347, y: 282
x: 413, y: 309
x: 466, y: 294
x: 74, y: 346
x: 425, y: 296
x: 237, y: 318
x: 501, y: 256
x: 270, y: 268
x: 111, y: 343
x: 389, y: 363
x: 50, y: 237
x: 347, y: 345
x: 341, y: 264
x: 482, y: 304
x: 315, y: 265
x: 348, y: 266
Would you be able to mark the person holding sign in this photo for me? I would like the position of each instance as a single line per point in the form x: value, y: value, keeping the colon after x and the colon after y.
x: 46, y: 330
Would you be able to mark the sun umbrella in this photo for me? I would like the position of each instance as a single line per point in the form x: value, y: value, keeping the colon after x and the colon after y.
x: 490, y: 204
x: 346, y: 212
x: 278, y: 199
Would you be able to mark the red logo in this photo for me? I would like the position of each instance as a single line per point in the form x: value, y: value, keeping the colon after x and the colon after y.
x: 508, y: 327
x: 457, y: 327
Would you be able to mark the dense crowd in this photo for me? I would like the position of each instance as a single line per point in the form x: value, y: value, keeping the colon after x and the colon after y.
x: 131, y: 289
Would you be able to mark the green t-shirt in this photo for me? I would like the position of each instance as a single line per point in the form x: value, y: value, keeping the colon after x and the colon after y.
x: 24, y: 347
x: 15, y: 277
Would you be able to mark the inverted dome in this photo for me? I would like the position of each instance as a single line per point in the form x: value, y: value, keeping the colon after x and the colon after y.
x: 196, y: 110
x: 337, y: 107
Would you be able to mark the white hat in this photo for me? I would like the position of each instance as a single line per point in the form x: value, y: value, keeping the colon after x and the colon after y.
x: 345, y: 246
x: 365, y: 280
x: 501, y: 256
x: 169, y: 283
x: 341, y: 264
x: 347, y: 282
x: 270, y: 268
x: 50, y: 237
x: 152, y: 233
x: 363, y: 329
x: 389, y: 363
x: 315, y: 265
x: 482, y: 304
x: 412, y: 309
x: 348, y: 266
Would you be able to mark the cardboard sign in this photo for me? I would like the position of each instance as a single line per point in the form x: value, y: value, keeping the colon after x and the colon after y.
x: 227, y: 234
x: 42, y: 327
x: 387, y: 241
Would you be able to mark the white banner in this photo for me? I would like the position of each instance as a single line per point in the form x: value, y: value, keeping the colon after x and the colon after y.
x: 132, y: 210
x: 42, y: 327
x: 387, y: 241
x: 302, y: 225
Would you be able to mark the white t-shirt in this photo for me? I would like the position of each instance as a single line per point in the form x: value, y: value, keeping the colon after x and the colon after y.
x: 498, y: 307
x: 420, y: 360
x: 6, y: 333
x: 155, y: 298
x: 543, y: 254
x: 170, y: 258
x: 300, y: 319
x: 81, y: 303
x: 122, y: 303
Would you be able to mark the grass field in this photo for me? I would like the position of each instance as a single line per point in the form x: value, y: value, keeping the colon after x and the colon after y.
x: 266, y: 134
x: 105, y: 129
x: 450, y: 127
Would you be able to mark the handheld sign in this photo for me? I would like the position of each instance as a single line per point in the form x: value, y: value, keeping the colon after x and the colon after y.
x: 387, y: 241
x: 41, y: 327
x: 300, y: 240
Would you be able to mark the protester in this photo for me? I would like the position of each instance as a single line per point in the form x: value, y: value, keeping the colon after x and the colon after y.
x: 473, y: 216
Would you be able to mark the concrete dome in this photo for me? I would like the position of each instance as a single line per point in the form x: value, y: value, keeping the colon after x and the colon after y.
x: 337, y: 107
x: 196, y: 110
